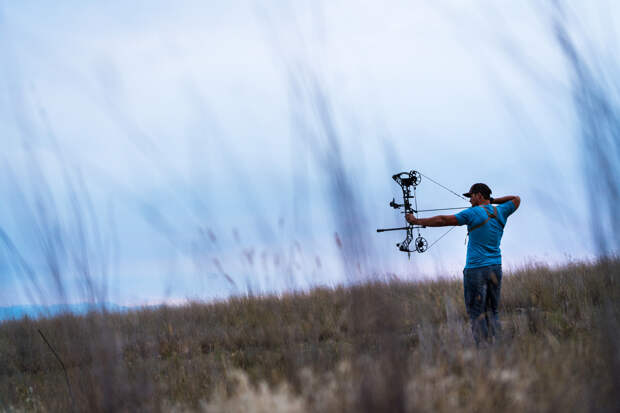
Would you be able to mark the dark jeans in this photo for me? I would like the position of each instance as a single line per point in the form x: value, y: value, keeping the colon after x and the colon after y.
x: 482, y: 289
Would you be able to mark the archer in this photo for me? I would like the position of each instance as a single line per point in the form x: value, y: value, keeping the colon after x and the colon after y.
x: 482, y: 276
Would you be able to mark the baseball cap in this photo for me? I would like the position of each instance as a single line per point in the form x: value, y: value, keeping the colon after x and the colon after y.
x: 479, y: 188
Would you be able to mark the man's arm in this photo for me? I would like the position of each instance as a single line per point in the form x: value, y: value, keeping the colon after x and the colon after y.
x: 515, y: 200
x: 436, y: 221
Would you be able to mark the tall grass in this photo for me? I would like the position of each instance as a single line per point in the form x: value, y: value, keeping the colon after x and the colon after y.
x: 593, y: 74
x: 381, y: 346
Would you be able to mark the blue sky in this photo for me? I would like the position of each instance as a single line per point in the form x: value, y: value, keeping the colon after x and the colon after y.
x: 180, y: 125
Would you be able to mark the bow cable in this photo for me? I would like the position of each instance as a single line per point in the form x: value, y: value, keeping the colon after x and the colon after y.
x: 443, y: 235
x: 415, y: 200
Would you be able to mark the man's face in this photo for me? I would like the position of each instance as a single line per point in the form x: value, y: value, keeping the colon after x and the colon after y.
x: 475, y: 199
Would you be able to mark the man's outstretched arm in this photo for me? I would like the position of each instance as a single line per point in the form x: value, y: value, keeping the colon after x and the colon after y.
x: 436, y: 221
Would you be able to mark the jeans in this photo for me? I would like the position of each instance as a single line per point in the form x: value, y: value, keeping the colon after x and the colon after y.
x: 482, y: 290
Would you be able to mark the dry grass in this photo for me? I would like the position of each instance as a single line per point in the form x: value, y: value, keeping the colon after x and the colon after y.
x: 375, y: 347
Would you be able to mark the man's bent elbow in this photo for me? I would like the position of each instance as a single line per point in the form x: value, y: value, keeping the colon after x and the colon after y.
x: 516, y: 201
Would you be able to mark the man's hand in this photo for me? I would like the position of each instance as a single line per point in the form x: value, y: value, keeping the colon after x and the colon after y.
x: 411, y: 219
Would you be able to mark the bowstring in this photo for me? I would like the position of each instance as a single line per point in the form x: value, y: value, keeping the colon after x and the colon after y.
x: 440, y: 209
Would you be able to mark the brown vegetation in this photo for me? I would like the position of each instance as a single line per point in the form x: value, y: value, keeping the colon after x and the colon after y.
x: 391, y: 346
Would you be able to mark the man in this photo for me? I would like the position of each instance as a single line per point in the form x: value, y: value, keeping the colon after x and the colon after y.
x: 482, y: 276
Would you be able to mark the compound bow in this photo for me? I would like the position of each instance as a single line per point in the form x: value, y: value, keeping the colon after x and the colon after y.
x: 408, y: 181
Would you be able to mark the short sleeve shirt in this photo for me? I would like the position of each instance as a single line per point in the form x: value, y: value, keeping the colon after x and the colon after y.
x: 483, y: 246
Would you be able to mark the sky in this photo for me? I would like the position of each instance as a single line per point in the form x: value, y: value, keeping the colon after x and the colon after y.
x: 156, y: 154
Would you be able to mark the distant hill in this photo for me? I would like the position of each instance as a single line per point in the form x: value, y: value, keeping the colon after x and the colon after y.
x: 16, y: 312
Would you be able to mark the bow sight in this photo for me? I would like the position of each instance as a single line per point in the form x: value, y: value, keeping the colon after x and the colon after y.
x: 408, y: 181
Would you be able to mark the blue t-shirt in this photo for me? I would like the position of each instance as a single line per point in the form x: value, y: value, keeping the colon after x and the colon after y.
x: 483, y: 246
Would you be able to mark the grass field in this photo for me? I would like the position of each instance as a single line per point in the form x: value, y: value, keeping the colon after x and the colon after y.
x: 384, y: 346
